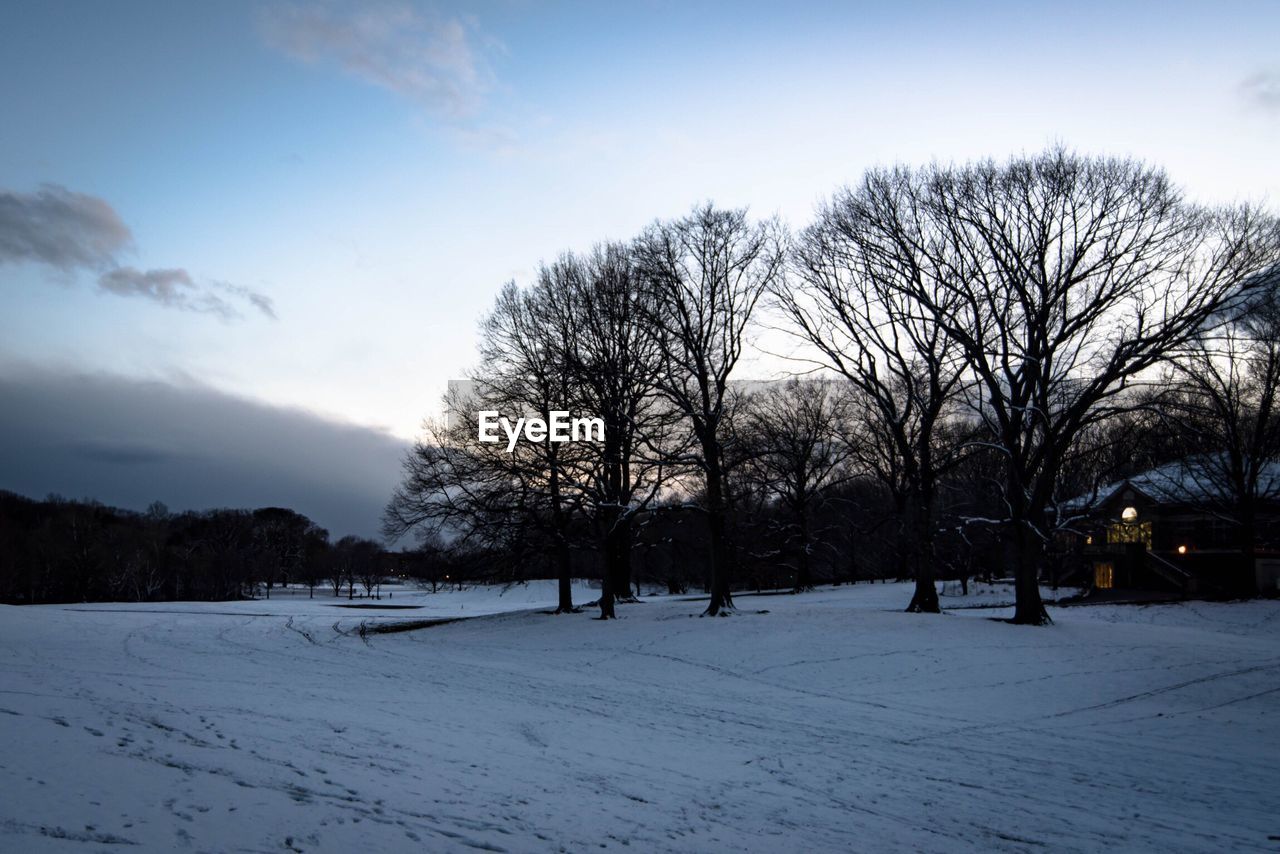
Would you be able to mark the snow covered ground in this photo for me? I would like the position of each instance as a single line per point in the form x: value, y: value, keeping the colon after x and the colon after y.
x: 398, y: 601
x: 830, y: 723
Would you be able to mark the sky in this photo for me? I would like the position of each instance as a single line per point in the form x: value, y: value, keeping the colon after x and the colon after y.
x: 303, y: 210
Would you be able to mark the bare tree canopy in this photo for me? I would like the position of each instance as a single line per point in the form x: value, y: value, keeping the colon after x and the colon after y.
x: 796, y: 451
x: 851, y: 295
x: 1062, y: 278
x: 982, y: 331
x: 705, y: 274
x: 1223, y: 411
x: 598, y: 309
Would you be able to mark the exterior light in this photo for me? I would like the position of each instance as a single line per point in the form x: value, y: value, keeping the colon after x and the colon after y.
x: 1182, y: 550
x: 1129, y: 514
x: 1088, y: 541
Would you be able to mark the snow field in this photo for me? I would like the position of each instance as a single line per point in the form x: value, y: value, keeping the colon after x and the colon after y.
x: 833, y: 722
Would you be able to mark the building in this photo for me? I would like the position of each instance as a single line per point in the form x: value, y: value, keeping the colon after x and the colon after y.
x: 1170, y: 530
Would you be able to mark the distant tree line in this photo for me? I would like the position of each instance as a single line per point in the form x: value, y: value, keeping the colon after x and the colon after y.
x: 975, y: 344
x: 57, y: 550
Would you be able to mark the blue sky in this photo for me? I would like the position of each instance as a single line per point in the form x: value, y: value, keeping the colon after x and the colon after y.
x: 377, y: 171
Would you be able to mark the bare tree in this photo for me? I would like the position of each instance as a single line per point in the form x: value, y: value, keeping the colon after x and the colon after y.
x: 852, y: 295
x: 599, y: 310
x: 357, y: 560
x: 335, y: 571
x: 483, y: 494
x: 474, y: 497
x: 315, y: 551
x: 280, y: 537
x: 1064, y: 278
x: 1226, y: 416
x: 796, y: 453
x: 523, y: 351
x: 704, y: 274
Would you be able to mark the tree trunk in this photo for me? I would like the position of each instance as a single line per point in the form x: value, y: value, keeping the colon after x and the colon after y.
x: 919, y: 535
x: 620, y: 560
x: 607, y: 611
x: 721, y: 599
x: 1248, y: 549
x: 804, y: 572
x: 609, y: 571
x: 560, y: 548
x: 1028, y: 549
x: 925, y: 598
x: 615, y: 577
x: 564, y: 575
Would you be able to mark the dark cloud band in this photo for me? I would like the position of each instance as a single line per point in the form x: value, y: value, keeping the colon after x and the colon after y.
x: 130, y: 442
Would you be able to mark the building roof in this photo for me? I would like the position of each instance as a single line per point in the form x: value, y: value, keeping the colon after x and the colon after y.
x: 1187, y: 481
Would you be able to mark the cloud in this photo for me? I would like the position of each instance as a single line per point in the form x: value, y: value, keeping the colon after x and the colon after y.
x: 1262, y: 90
x: 260, y: 301
x: 167, y: 287
x: 129, y: 442
x: 75, y: 232
x: 174, y: 288
x: 60, y: 228
x: 422, y: 56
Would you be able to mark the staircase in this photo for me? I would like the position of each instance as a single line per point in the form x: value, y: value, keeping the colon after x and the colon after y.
x: 1172, y: 573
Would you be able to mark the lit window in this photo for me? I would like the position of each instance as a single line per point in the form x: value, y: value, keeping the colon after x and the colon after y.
x: 1104, y: 576
x: 1129, y: 514
x: 1130, y: 532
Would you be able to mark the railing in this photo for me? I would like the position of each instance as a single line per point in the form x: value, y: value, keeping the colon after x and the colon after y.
x: 1171, y: 572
